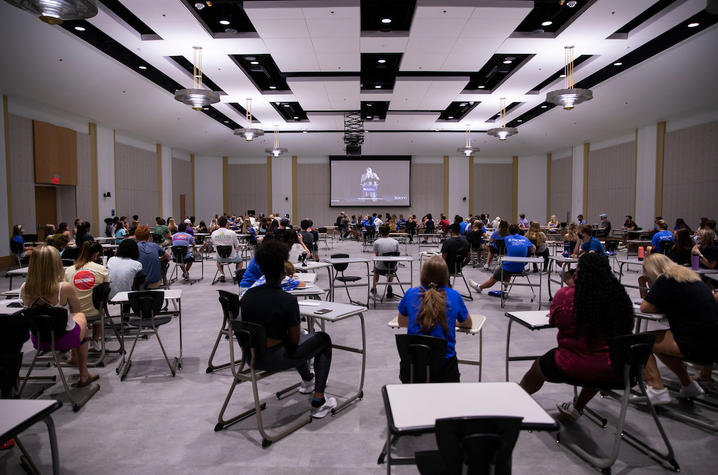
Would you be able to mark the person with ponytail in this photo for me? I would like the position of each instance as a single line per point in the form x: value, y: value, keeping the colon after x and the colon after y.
x: 435, y: 309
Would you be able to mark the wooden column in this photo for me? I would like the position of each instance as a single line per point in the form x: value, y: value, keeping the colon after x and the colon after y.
x: 295, y: 218
x: 471, y: 185
x: 225, y: 185
x: 194, y: 192
x: 660, y: 150
x: 515, y: 188
x: 159, y: 179
x: 269, y: 186
x: 92, y: 130
x: 586, y: 149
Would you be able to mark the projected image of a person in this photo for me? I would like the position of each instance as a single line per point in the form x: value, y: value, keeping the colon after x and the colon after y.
x: 370, y: 184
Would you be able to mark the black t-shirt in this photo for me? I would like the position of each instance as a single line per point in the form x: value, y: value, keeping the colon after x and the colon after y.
x: 453, y: 247
x: 273, y: 308
x: 85, y: 237
x: 691, y: 309
x: 681, y: 257
x: 710, y: 253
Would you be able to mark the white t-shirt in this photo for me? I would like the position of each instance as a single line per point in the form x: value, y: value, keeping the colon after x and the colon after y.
x: 294, y: 253
x: 122, y: 271
x: 378, y: 222
x: 226, y: 237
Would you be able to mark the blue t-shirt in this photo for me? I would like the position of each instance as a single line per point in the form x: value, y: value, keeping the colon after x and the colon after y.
x: 455, y: 311
x: 463, y: 227
x: 593, y: 245
x: 150, y: 254
x: 496, y: 236
x: 183, y: 239
x: 661, y: 239
x: 119, y: 235
x: 516, y: 246
x: 251, y: 275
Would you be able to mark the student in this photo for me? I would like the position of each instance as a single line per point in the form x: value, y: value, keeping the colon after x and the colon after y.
x: 64, y: 230
x: 692, y: 313
x: 188, y: 228
x: 429, y: 227
x: 84, y: 275
x: 587, y: 316
x: 294, y: 241
x: 681, y: 224
x: 605, y: 226
x: 183, y: 239
x: 171, y: 225
x: 662, y: 240
x: 377, y: 220
x: 476, y: 238
x: 589, y: 243
x: 83, y: 234
x: 629, y: 224
x: 45, y: 286
x: 225, y: 237
x: 523, y: 222
x: 381, y: 246
x: 202, y: 228
x: 706, y: 251
x: 120, y: 233
x: 434, y: 309
x: 681, y: 250
x: 287, y: 347
x: 124, y: 267
x: 538, y: 239
x: 161, y: 231
x: 152, y: 257
x: 553, y: 222
x: 455, y: 246
x: 572, y: 237
x: 498, y: 235
x: 580, y: 221
x: 17, y: 243
x: 135, y: 221
x: 516, y: 246
x: 443, y: 224
x: 411, y: 227
x: 307, y: 236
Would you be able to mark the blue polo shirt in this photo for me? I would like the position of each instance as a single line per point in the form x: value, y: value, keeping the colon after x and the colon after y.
x: 463, y: 227
x: 183, y: 239
x: 455, y: 311
x: 662, y: 239
x: 150, y: 254
x: 516, y: 246
x: 251, y: 275
x: 593, y: 245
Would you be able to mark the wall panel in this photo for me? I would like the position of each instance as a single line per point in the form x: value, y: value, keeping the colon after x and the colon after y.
x: 493, y: 183
x: 561, y: 183
x: 612, y: 183
x: 247, y: 188
x: 136, y: 176
x: 690, y: 174
x: 181, y: 184
x: 83, y: 192
x: 22, y: 172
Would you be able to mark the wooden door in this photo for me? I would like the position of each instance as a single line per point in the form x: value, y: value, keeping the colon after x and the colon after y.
x: 182, y: 215
x: 45, y: 208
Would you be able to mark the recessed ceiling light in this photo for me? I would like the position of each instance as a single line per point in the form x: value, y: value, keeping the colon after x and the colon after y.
x: 693, y: 25
x: 562, y: 76
x: 272, y: 87
x: 381, y: 61
x: 226, y: 122
x: 462, y: 104
x: 254, y: 62
x: 143, y: 67
x: 482, y: 87
x: 386, y: 20
x: 205, y: 108
x: 377, y: 86
x: 618, y: 63
x: 547, y: 23
x: 80, y: 28
x: 224, y: 22
x: 519, y: 120
x: 544, y: 106
x: 368, y: 117
x: 304, y: 131
x: 286, y: 105
x: 198, y: 76
x: 368, y: 104
x: 296, y: 118
x: 507, y: 61
x: 450, y: 117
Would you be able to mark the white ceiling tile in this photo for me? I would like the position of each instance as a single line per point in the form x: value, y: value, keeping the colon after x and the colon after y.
x: 334, y: 28
x: 437, y: 12
x: 494, y: 21
x: 389, y: 44
x: 339, y: 62
x: 441, y: 92
x: 347, y: 9
x: 336, y: 45
x: 281, y: 28
x: 257, y: 10
x: 296, y: 54
x: 416, y: 61
x: 437, y: 27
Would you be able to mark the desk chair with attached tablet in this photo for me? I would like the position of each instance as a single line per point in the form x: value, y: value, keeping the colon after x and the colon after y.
x: 179, y: 256
x: 252, y: 340
x: 389, y: 271
x: 100, y: 297
x: 629, y: 354
x: 230, y: 312
x: 223, y: 254
x: 344, y: 279
x: 456, y: 270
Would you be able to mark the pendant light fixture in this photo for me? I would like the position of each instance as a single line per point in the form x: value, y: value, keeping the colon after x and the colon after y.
x: 249, y: 133
x: 55, y: 12
x: 502, y: 132
x: 467, y: 149
x: 197, y: 97
x: 276, y: 151
x: 569, y: 96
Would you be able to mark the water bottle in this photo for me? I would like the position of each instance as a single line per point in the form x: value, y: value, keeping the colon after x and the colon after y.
x: 641, y: 253
x: 566, y: 249
x: 695, y: 262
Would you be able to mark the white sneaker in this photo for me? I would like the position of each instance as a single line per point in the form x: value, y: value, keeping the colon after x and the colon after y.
x: 307, y: 387
x: 475, y: 285
x: 321, y: 411
x: 95, y: 345
x: 658, y: 397
x: 486, y: 267
x: 691, y: 391
x: 567, y: 411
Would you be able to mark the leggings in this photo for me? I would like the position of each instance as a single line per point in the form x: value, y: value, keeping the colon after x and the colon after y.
x: 544, y: 254
x: 315, y: 345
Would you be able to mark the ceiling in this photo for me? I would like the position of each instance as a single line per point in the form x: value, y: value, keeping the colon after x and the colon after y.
x: 442, y: 67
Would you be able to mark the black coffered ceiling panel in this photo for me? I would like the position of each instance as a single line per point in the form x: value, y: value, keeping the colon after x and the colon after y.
x: 509, y: 108
x: 496, y: 70
x: 457, y: 111
x: 400, y: 12
x: 221, y: 118
x: 238, y: 107
x: 221, y: 18
x: 378, y: 70
x: 116, y: 7
x: 374, y: 110
x: 290, y: 111
x: 644, y: 16
x: 552, y: 16
x: 185, y: 64
x: 531, y: 114
x: 262, y: 71
x: 558, y: 74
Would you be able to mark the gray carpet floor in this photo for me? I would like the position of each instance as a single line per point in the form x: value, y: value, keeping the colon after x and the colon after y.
x: 153, y: 423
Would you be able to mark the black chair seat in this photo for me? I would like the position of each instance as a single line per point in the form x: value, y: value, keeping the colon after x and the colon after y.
x: 146, y: 323
x: 349, y: 278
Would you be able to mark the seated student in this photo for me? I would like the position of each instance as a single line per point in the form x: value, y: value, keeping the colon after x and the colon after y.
x: 680, y: 251
x: 435, y: 309
x: 443, y: 224
x: 587, y: 316
x: 476, y: 238
x: 315, y: 234
x: 692, y: 313
x: 382, y: 245
x: 288, y: 282
x: 629, y: 224
x: 188, y: 228
x: 120, y: 233
x: 45, y: 286
x: 247, y: 228
x: 161, y: 233
x: 580, y: 221
x: 307, y: 236
x: 225, y: 237
x: 498, y: 235
x: 605, y: 227
x: 152, y: 257
x: 296, y: 245
x: 465, y: 226
x: 662, y: 240
x: 17, y: 243
x: 429, y: 226
x: 553, y: 222
x: 681, y: 224
x: 283, y: 225
x: 84, y: 275
x: 523, y: 222
x: 455, y: 246
x: 516, y: 246
x: 706, y: 250
x: 572, y: 237
x: 64, y: 230
x: 124, y: 267
x: 171, y: 225
x: 538, y: 239
x: 58, y: 241
x: 202, y: 228
x: 589, y: 243
x: 83, y: 234
x: 184, y: 239
x: 287, y: 347
x: 410, y: 227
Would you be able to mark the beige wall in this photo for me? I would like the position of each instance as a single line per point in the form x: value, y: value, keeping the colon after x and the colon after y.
x: 612, y: 183
x: 561, y: 182
x: 313, y: 194
x: 182, y: 184
x: 136, y: 178
x: 493, y: 189
x: 247, y: 188
x: 690, y: 183
x: 83, y: 191
x: 22, y: 172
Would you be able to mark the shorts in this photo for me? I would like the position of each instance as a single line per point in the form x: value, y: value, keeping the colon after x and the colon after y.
x: 550, y: 369
x: 189, y: 258
x: 698, y: 350
x: 229, y: 260
x: 383, y: 271
x: 497, y: 274
x: 68, y: 341
x: 153, y: 285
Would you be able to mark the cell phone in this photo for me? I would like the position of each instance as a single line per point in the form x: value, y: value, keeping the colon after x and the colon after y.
x: 322, y: 311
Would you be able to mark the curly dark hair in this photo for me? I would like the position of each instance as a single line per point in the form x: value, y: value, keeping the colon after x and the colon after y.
x: 602, y: 306
x: 270, y: 257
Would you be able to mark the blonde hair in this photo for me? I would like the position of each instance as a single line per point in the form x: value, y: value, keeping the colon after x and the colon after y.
x: 656, y: 265
x: 534, y: 233
x: 432, y: 311
x: 707, y: 237
x: 572, y: 234
x: 44, y: 273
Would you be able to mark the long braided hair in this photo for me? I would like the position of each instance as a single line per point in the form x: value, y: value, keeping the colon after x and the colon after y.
x: 432, y: 310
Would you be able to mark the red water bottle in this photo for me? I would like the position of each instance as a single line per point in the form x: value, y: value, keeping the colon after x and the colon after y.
x: 640, y: 253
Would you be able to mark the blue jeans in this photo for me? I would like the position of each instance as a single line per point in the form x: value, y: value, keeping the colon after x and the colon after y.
x: 314, y: 345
